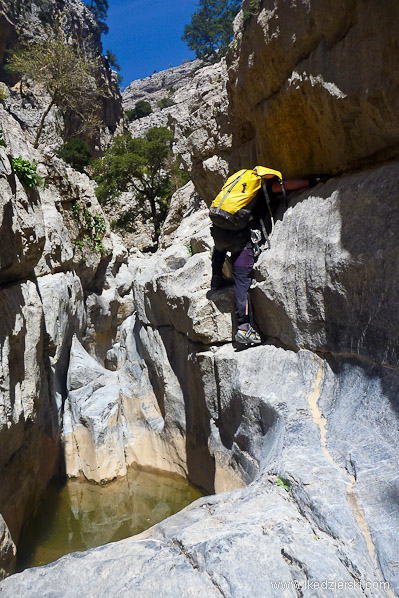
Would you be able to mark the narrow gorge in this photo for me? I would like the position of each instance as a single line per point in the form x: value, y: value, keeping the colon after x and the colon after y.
x: 114, y: 356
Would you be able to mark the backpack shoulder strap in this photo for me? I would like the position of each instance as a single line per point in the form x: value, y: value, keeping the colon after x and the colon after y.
x: 267, y: 198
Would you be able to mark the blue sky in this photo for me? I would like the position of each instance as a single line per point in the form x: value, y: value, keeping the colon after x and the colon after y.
x: 145, y: 35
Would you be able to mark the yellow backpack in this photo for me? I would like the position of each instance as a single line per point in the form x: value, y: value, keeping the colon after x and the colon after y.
x: 231, y: 209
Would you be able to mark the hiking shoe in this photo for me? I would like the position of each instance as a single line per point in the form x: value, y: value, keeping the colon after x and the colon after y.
x: 248, y: 337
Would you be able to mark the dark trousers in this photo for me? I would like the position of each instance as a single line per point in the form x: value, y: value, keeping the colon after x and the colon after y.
x: 243, y: 262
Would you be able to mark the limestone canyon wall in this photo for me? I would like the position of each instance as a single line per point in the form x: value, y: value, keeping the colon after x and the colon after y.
x: 46, y: 267
x: 298, y: 436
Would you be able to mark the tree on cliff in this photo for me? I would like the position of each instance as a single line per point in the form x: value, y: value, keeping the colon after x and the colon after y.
x: 210, y: 30
x: 99, y: 8
x: 66, y: 74
x: 143, y: 165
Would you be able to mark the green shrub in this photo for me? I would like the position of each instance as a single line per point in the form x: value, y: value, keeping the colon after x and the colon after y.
x: 91, y: 230
x: 143, y: 165
x: 75, y: 152
x: 2, y: 144
x: 126, y: 221
x: 165, y: 103
x: 141, y: 109
x: 26, y: 172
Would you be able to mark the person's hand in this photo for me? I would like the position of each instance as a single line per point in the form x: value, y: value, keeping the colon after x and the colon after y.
x: 319, y: 178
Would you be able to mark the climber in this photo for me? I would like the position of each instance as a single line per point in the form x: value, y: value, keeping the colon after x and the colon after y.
x: 243, y: 245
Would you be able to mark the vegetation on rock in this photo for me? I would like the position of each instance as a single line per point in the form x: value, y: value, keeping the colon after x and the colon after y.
x: 75, y: 152
x: 141, y: 109
x: 165, y: 103
x: 210, y: 30
x: 26, y: 171
x: 91, y: 229
x: 251, y: 9
x: 145, y: 166
x: 99, y: 8
x: 66, y: 74
x: 113, y: 62
x: 112, y: 59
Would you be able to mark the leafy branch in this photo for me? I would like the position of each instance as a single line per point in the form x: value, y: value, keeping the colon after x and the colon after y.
x: 27, y: 172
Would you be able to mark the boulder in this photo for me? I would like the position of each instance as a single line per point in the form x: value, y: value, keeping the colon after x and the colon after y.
x: 185, y: 200
x: 112, y: 418
x: 181, y: 298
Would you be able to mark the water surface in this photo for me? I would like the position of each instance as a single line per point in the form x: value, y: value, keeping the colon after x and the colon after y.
x: 77, y: 515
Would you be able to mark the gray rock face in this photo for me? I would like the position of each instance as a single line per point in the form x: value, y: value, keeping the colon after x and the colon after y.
x: 311, y: 91
x: 310, y: 431
x: 183, y: 202
x: 269, y: 428
x: 43, y: 277
x: 28, y: 428
x: 105, y: 428
x: 303, y: 92
x: 21, y: 221
x: 198, y: 118
x: 298, y: 437
x: 159, y: 85
x: 334, y: 287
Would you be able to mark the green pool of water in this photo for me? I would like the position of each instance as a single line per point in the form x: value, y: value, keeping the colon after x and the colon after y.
x: 76, y: 515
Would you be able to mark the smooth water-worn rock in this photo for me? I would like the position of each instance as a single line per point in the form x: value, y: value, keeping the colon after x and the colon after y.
x: 180, y: 297
x: 298, y: 436
x: 312, y: 436
x: 313, y: 90
x: 273, y: 417
x: 48, y: 261
x: 329, y: 280
x: 112, y: 418
x: 28, y: 425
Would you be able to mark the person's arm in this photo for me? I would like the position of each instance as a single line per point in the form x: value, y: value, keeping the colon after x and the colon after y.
x: 291, y: 185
